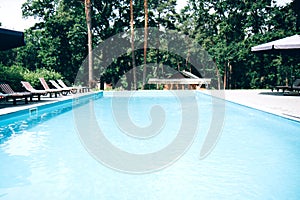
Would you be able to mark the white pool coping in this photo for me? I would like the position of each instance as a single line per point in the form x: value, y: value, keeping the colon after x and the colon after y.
x: 277, y: 103
x: 8, y: 107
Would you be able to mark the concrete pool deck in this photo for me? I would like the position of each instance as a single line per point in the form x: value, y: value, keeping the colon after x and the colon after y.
x: 265, y: 100
x: 8, y: 107
x: 277, y: 103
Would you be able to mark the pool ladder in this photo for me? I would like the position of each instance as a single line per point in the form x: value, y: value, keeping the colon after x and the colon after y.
x: 33, y: 112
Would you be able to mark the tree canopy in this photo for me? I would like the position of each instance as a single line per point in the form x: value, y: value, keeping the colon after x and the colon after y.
x: 226, y: 29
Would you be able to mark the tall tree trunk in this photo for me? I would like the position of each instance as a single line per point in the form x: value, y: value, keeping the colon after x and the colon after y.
x: 158, y: 45
x: 187, y: 60
x: 219, y: 79
x: 225, y: 76
x: 88, y: 15
x: 132, y: 45
x: 230, y: 75
x: 145, y: 42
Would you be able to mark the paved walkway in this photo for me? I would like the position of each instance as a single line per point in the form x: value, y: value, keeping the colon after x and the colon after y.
x: 8, y: 107
x: 272, y: 102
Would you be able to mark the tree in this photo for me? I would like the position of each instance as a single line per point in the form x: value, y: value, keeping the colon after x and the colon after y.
x: 132, y: 45
x: 228, y: 29
x: 296, y: 8
x: 88, y: 14
x: 145, y: 42
x: 58, y: 40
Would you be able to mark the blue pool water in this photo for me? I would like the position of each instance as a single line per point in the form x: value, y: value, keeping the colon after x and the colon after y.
x: 256, y: 157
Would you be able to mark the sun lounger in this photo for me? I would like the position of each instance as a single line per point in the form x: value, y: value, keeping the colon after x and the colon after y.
x: 2, y: 96
x: 296, y: 89
x: 295, y: 85
x: 33, y: 91
x: 50, y: 91
x: 10, y: 94
x: 65, y: 90
x: 79, y: 88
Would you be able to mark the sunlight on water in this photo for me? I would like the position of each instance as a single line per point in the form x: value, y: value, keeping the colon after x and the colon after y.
x: 257, y: 157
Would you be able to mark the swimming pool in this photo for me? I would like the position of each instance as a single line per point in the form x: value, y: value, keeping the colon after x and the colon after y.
x: 256, y: 157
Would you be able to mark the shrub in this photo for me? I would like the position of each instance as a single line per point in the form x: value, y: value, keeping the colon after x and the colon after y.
x: 13, y: 76
x: 33, y: 77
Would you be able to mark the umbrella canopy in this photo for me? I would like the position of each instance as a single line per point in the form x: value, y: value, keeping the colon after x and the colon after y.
x: 288, y: 46
x: 285, y: 44
x: 10, y: 39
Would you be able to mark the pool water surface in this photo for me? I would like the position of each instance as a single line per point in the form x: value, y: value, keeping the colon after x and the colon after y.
x: 256, y: 156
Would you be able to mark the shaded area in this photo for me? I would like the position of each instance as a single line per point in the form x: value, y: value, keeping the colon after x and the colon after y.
x: 280, y: 93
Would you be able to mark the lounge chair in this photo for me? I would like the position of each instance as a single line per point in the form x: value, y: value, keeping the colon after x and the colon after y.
x: 33, y: 91
x: 10, y: 94
x: 50, y: 91
x: 65, y: 91
x: 79, y: 88
x: 2, y: 96
x: 296, y: 89
x: 296, y: 84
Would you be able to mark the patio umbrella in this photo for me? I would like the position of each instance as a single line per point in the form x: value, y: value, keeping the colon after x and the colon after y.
x: 291, y: 43
x: 288, y: 45
x: 10, y: 39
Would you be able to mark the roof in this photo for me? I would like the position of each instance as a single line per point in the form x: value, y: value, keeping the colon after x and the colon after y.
x: 184, y: 81
x: 182, y: 77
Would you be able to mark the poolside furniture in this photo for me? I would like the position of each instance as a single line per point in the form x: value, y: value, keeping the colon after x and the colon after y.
x: 65, y: 91
x: 296, y: 89
x: 10, y: 94
x: 280, y: 87
x: 33, y: 91
x: 2, y: 96
x: 79, y: 88
x: 296, y: 85
x: 181, y: 80
x: 50, y: 91
x: 182, y: 83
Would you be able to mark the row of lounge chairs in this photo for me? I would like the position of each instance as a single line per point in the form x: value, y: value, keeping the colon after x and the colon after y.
x: 295, y: 87
x: 10, y: 94
x: 60, y: 88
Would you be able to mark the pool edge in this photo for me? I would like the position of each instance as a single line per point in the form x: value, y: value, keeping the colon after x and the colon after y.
x: 44, y: 105
x: 268, y: 111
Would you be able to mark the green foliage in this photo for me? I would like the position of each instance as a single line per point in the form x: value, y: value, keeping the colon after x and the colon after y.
x: 8, y: 57
x: 225, y: 29
x: 228, y: 29
x: 59, y: 40
x: 33, y: 76
x: 13, y: 76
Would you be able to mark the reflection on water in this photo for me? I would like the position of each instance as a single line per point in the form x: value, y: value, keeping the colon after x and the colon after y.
x: 257, y: 157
